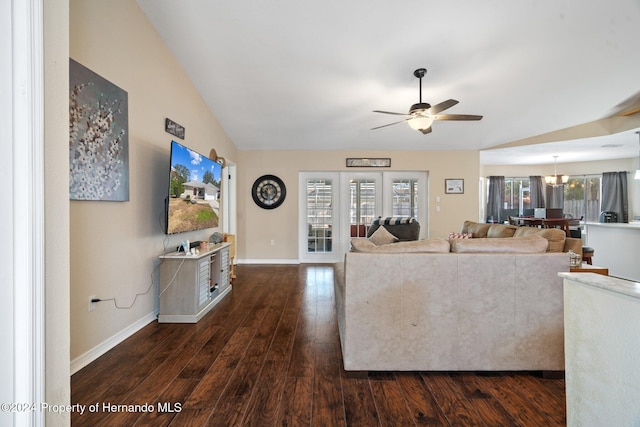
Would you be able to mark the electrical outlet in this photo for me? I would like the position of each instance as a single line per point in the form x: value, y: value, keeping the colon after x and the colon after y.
x: 92, y: 305
x: 273, y: 242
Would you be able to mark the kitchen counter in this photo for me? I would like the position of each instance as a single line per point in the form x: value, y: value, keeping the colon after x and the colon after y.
x: 616, y: 247
x: 602, y: 342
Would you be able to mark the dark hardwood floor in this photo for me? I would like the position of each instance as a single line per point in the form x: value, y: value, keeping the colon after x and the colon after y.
x: 269, y: 354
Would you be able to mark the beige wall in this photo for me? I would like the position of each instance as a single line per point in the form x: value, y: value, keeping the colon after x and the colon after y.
x: 56, y: 137
x: 257, y: 227
x: 115, y: 245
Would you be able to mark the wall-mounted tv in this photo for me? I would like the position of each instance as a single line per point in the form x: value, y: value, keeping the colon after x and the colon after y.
x: 194, y: 191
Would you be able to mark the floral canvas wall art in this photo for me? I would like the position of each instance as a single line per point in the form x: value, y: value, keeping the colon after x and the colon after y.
x: 98, y: 137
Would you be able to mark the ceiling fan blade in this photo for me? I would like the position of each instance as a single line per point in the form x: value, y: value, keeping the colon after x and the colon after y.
x: 390, y: 112
x: 390, y: 124
x: 426, y: 131
x: 442, y: 106
x: 457, y: 117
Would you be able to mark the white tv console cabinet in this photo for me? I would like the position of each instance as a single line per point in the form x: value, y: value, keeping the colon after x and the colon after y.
x: 190, y: 285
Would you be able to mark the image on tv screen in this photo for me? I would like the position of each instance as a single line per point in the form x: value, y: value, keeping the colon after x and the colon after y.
x: 194, y: 191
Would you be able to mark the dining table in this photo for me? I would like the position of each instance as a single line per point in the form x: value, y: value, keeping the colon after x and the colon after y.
x: 562, y: 223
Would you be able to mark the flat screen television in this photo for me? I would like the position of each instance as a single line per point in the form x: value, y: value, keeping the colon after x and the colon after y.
x: 194, y: 191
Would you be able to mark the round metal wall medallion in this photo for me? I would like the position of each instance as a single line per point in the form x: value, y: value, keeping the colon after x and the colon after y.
x: 268, y: 191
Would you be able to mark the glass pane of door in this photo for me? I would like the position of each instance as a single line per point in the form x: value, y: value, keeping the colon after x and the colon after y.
x: 319, y: 215
x: 404, y: 197
x: 362, y: 205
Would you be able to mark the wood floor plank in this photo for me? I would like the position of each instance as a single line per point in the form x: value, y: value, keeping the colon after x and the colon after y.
x: 423, y: 406
x: 504, y: 388
x: 171, y: 400
x: 488, y: 408
x: 302, y: 351
x: 296, y: 406
x: 451, y: 400
x: 234, y: 400
x: 359, y: 405
x: 213, y: 383
x: 269, y: 355
x: 264, y: 404
x: 392, y: 408
x: 328, y: 405
x: 191, y: 417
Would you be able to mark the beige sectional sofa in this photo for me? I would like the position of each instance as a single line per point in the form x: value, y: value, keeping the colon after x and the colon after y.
x: 490, y: 303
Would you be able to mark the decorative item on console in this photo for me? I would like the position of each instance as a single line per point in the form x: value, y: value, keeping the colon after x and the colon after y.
x: 215, y: 238
x: 214, y: 156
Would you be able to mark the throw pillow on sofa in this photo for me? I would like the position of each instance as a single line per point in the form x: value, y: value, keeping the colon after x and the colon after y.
x: 478, y: 229
x: 382, y: 237
x: 501, y: 230
x: 460, y: 236
x: 555, y: 236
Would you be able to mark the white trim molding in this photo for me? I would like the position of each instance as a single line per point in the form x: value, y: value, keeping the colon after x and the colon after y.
x: 24, y: 128
x: 97, y: 351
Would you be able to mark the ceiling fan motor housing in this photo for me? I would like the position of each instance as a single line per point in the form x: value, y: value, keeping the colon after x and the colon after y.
x: 419, y: 107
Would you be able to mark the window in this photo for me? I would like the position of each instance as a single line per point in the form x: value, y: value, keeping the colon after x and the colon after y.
x: 517, y: 197
x: 582, y: 197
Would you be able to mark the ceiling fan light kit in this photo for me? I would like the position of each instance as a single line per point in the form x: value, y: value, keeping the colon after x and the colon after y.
x: 422, y: 115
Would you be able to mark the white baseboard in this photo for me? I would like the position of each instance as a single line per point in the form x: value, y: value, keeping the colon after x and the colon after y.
x: 268, y: 261
x: 97, y: 351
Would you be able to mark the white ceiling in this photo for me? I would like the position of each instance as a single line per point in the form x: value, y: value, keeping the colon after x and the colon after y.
x: 292, y: 74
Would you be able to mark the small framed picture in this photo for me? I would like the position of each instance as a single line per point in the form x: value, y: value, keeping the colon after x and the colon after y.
x: 454, y: 186
x: 173, y: 128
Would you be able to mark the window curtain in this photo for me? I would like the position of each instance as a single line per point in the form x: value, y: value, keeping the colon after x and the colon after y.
x: 614, y: 195
x: 495, y: 199
x: 555, y: 196
x: 536, y: 191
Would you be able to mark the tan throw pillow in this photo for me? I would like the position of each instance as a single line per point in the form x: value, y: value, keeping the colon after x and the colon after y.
x: 501, y: 230
x: 478, y: 229
x: 381, y: 237
x: 555, y: 236
x: 361, y: 244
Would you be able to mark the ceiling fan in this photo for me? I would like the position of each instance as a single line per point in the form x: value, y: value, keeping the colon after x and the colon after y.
x: 422, y: 115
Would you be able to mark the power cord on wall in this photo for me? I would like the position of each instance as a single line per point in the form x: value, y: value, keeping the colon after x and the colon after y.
x: 165, y: 243
x: 115, y: 302
x: 173, y: 278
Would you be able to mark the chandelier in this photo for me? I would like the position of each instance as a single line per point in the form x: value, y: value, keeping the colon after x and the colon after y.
x: 555, y: 179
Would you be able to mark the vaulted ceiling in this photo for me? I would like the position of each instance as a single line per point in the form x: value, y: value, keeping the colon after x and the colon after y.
x: 306, y: 75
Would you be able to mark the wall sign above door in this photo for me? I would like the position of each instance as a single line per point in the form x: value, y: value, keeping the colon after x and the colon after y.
x: 368, y: 162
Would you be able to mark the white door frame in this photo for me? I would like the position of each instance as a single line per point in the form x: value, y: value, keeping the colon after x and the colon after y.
x: 22, y: 359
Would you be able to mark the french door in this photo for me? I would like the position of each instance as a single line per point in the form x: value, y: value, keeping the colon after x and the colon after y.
x: 336, y: 206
